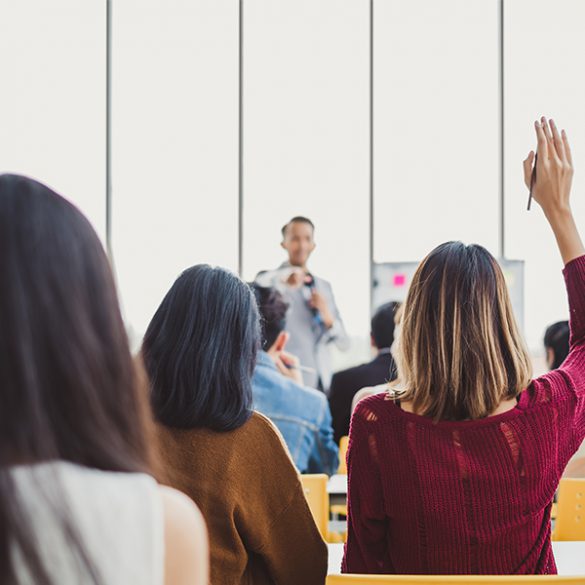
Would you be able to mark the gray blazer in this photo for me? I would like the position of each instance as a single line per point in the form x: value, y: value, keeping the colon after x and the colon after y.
x: 309, y: 340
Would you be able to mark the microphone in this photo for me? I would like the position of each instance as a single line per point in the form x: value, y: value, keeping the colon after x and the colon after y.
x: 312, y: 286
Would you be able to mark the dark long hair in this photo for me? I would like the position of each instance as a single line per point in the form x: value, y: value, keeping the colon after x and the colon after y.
x: 200, y: 351
x: 68, y: 384
x: 556, y: 338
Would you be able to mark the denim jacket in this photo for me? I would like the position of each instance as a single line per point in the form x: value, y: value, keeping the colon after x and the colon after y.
x: 301, y: 414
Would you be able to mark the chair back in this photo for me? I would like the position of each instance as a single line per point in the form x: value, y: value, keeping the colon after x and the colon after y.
x: 457, y: 579
x: 570, y: 513
x: 315, y: 488
x: 343, y: 443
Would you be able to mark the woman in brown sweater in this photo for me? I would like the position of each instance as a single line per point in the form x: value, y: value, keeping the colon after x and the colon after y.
x: 200, y: 352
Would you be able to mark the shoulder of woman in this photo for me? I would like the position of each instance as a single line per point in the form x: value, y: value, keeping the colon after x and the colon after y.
x: 185, y: 537
x: 371, y: 403
x: 181, y: 515
x: 264, y: 444
x: 261, y: 427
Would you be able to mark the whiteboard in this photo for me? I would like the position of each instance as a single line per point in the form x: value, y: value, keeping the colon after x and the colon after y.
x: 391, y: 280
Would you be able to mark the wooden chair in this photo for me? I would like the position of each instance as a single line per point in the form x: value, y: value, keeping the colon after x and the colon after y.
x: 343, y: 443
x: 315, y: 488
x: 570, y: 510
x: 457, y: 579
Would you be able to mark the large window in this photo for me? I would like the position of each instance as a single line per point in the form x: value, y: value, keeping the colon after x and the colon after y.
x: 306, y: 133
x: 544, y: 48
x: 52, y: 102
x: 436, y: 130
x: 305, y: 125
x: 175, y: 144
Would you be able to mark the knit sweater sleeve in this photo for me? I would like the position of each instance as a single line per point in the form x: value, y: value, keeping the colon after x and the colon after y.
x: 367, y: 524
x: 574, y: 366
x: 273, y: 517
x: 566, y: 385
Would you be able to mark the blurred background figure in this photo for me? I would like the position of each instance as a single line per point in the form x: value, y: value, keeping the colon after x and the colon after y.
x: 556, y: 344
x: 345, y: 384
x: 313, y: 320
x: 301, y: 414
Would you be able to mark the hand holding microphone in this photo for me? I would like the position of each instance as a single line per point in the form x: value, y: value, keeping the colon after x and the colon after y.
x: 319, y: 304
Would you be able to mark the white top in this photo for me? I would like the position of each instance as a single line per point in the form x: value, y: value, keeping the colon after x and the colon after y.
x: 117, y: 516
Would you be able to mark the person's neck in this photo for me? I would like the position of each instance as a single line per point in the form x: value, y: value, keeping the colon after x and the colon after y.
x: 302, y: 266
x: 504, y: 406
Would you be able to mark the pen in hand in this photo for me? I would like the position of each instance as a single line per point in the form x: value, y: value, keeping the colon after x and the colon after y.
x: 532, y: 181
x: 301, y: 368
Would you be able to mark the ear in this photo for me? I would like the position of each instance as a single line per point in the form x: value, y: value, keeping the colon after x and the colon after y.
x: 281, y: 341
x: 372, y: 342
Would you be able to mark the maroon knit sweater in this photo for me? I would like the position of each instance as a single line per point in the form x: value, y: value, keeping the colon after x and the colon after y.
x: 467, y: 496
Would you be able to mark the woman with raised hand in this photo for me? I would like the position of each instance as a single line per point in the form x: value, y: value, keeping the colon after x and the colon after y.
x: 200, y: 353
x: 76, y: 502
x: 454, y: 470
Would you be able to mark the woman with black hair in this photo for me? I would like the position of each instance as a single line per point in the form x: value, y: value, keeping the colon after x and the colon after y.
x: 200, y: 353
x: 556, y: 344
x: 76, y: 502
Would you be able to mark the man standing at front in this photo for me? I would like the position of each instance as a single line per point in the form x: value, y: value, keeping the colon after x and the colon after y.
x: 313, y: 319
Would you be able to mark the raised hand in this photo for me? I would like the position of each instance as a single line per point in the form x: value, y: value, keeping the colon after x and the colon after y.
x: 554, y: 168
x: 552, y: 187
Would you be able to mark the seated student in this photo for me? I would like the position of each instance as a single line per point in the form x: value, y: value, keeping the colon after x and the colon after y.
x: 200, y: 352
x: 77, y: 504
x: 346, y: 383
x: 301, y: 414
x: 371, y: 390
x: 454, y: 470
x: 556, y: 344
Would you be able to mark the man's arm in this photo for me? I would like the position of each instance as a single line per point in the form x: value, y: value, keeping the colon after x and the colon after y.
x: 279, y: 278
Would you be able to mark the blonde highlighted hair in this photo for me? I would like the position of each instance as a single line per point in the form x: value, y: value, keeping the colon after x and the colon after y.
x: 460, y: 352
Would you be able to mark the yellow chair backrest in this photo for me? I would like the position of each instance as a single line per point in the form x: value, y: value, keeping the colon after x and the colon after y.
x: 570, y: 516
x: 315, y: 488
x: 461, y: 579
x: 343, y: 442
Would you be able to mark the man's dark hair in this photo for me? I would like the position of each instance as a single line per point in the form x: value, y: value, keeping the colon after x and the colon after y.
x: 297, y: 219
x: 383, y: 324
x: 557, y: 339
x: 200, y: 351
x: 272, y: 308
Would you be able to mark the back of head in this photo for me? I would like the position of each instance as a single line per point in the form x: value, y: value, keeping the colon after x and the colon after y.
x: 67, y: 377
x: 272, y: 307
x: 68, y: 387
x: 460, y: 352
x: 383, y: 324
x: 556, y: 338
x: 200, y: 351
